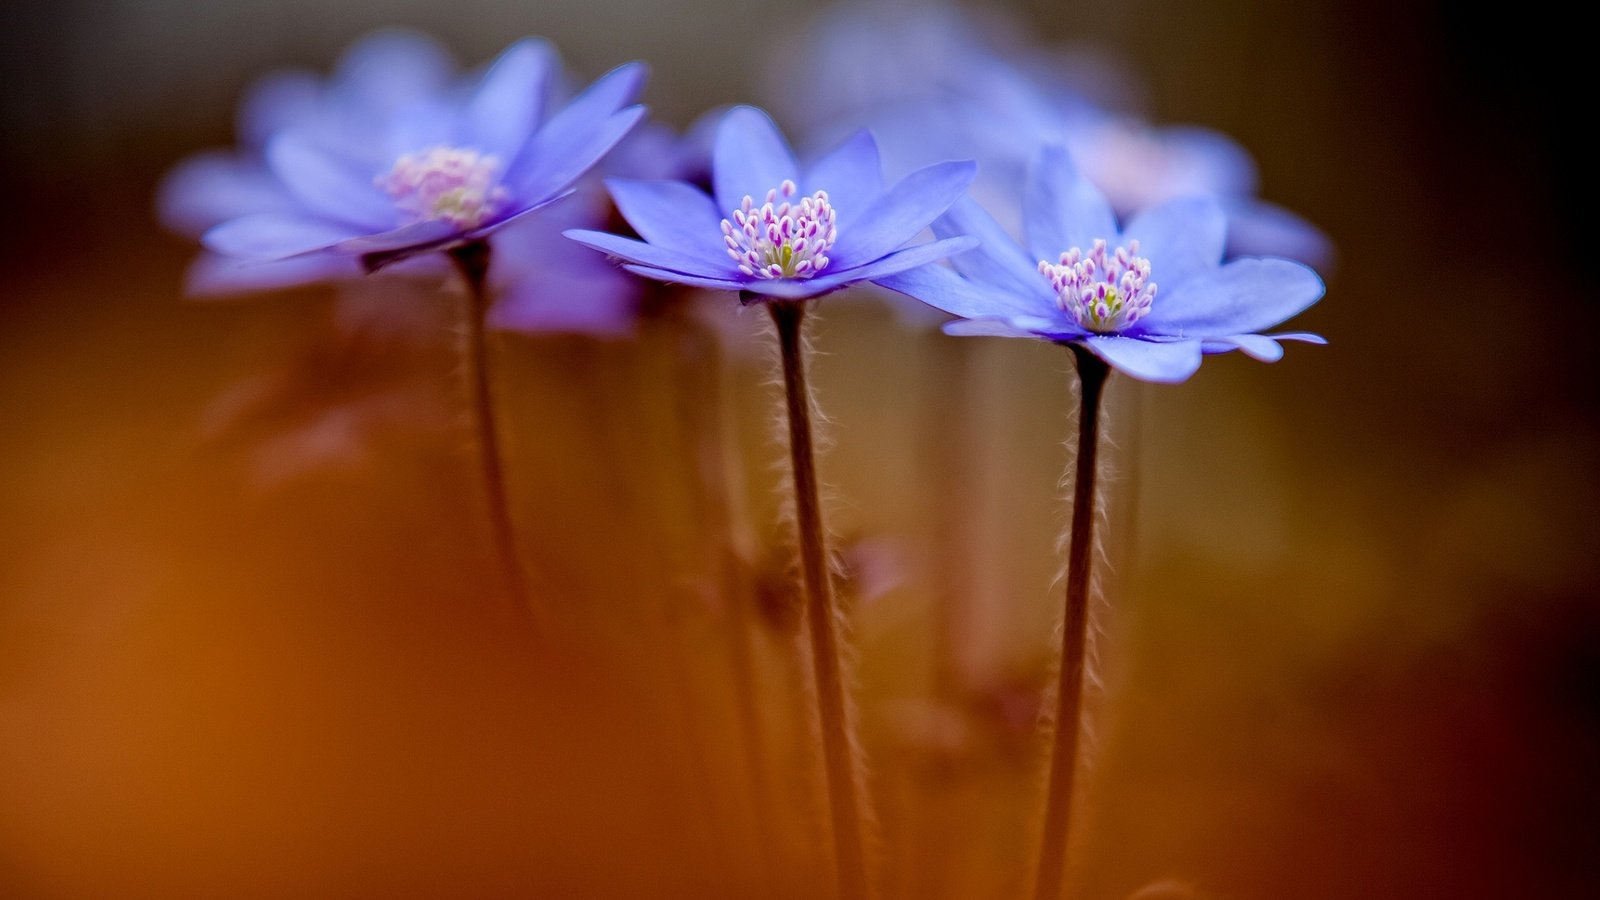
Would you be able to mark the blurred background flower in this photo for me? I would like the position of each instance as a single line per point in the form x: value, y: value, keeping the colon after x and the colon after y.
x: 1356, y: 640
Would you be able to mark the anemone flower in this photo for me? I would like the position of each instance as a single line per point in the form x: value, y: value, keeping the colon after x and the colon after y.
x: 779, y: 234
x: 438, y: 170
x: 1086, y: 283
x: 968, y: 83
x: 773, y: 232
x: 395, y: 159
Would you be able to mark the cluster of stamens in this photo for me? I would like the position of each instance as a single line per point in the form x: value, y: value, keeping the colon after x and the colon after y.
x: 1105, y: 293
x: 448, y: 184
x: 781, y: 239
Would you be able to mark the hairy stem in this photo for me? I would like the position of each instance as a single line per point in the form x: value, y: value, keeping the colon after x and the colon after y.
x: 1092, y: 374
x: 844, y: 801
x: 472, y: 261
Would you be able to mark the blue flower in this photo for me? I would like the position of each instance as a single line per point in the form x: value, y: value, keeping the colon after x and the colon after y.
x: 776, y: 231
x: 1079, y: 278
x: 945, y: 92
x: 392, y: 159
x: 545, y: 283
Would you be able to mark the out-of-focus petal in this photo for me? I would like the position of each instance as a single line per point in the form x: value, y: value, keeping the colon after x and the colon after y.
x: 268, y: 236
x: 581, y: 132
x: 390, y: 69
x: 212, y: 276
x: 1257, y: 228
x: 509, y: 102
x: 602, y: 303
x: 560, y: 158
x: 211, y: 188
x: 275, y: 102
x: 328, y: 186
x: 378, y: 251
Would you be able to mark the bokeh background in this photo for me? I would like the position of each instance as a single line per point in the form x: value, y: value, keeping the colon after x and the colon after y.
x: 1350, y: 648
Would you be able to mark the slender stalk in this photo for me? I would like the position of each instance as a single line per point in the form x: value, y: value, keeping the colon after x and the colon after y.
x: 844, y: 802
x: 472, y: 261
x: 1092, y: 374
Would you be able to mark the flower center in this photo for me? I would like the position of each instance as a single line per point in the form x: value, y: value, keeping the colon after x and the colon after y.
x: 781, y: 239
x: 1105, y: 293
x: 446, y: 184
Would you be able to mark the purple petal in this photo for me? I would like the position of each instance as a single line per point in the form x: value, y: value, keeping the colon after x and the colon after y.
x: 1242, y: 297
x: 1012, y: 327
x: 786, y: 288
x: 429, y: 122
x: 560, y: 163
x: 999, y: 260
x: 942, y: 288
x: 715, y: 284
x: 277, y: 101
x: 671, y: 214
x: 1181, y: 238
x: 750, y: 157
x: 1210, y: 162
x: 212, y: 276
x: 1061, y: 209
x: 602, y: 301
x: 378, y: 251
x: 1304, y: 336
x: 267, y: 236
x: 509, y: 102
x: 909, y: 258
x: 391, y: 69
x: 1255, y: 346
x: 211, y: 188
x: 651, y: 255
x: 518, y: 214
x: 851, y: 173
x: 583, y: 131
x: 330, y: 187
x: 1161, y: 361
x: 903, y: 212
x: 1257, y: 228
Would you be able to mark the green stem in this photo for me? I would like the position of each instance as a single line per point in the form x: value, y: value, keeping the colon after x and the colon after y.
x: 1092, y: 375
x: 845, y: 805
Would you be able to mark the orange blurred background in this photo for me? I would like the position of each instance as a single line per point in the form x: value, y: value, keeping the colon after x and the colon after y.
x: 1350, y: 646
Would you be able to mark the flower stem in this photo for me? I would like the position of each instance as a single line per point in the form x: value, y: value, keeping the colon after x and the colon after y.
x: 1092, y: 375
x: 472, y: 261
x: 839, y: 762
